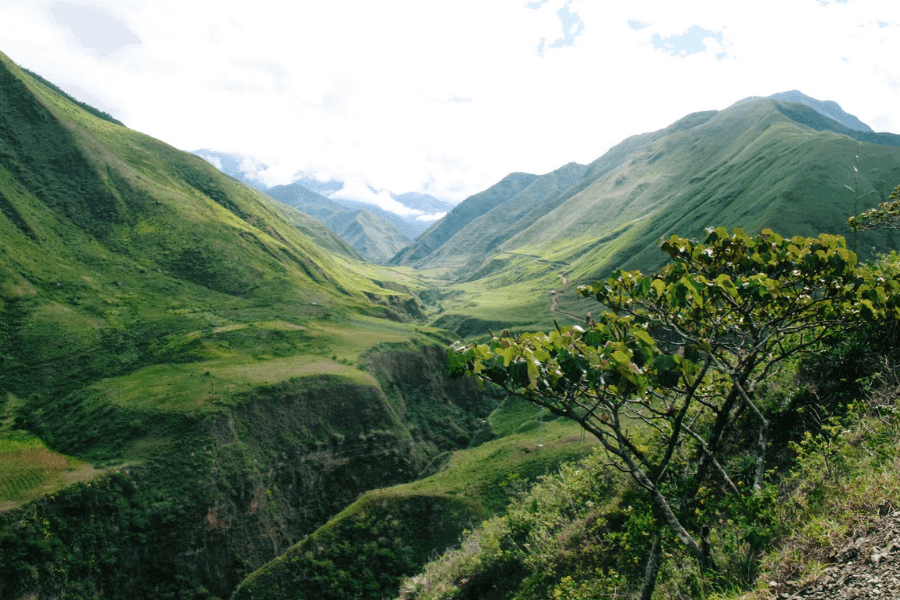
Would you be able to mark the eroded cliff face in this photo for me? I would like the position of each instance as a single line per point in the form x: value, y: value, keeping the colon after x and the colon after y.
x: 251, y: 482
x: 449, y: 413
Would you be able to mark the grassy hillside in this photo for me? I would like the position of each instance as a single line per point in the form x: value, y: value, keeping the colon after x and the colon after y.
x: 201, y: 388
x: 583, y: 532
x: 467, y: 248
x: 375, y: 239
x: 388, y: 534
x: 463, y: 214
x: 760, y: 163
x: 182, y: 365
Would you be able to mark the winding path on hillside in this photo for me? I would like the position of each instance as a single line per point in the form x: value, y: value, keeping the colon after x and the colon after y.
x: 554, y: 294
x: 554, y: 300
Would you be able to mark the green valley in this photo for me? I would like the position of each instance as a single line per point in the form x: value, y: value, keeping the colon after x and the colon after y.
x: 205, y: 392
x: 192, y: 350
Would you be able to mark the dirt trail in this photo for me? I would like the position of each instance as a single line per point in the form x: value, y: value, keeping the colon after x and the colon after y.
x: 554, y: 301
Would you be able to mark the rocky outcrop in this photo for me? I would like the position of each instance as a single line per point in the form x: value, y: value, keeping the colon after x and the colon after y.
x: 867, y: 567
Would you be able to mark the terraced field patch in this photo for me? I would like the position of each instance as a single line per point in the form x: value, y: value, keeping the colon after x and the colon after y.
x: 28, y: 469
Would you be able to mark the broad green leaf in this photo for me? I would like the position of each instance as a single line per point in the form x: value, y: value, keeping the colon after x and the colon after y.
x: 643, y: 337
x: 621, y: 358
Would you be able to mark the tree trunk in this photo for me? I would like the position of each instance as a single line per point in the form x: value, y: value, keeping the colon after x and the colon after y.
x: 652, y: 570
x: 665, y: 509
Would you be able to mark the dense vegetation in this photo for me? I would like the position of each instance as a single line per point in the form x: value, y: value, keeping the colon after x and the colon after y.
x: 682, y: 380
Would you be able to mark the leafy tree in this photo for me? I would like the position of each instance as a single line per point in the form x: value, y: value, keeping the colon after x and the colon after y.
x: 670, y: 376
x: 884, y: 216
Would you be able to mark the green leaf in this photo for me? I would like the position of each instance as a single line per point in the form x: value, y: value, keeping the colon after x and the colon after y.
x: 659, y: 287
x: 621, y: 358
x: 595, y: 338
x: 533, y: 373
x: 643, y: 337
x: 509, y: 354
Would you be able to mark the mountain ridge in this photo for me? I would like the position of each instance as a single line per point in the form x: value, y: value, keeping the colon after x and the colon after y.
x: 237, y: 376
x: 179, y: 365
x: 758, y: 163
x: 828, y: 108
x: 372, y: 237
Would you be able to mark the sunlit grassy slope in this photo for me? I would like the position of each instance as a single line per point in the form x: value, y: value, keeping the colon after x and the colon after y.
x: 760, y: 163
x: 225, y: 370
x: 28, y: 468
x: 136, y: 278
x: 374, y: 238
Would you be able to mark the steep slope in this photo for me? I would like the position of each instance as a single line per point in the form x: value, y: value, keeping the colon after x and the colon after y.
x: 747, y: 166
x: 760, y: 163
x: 374, y: 238
x: 828, y: 108
x: 469, y: 247
x: 171, y: 336
x: 410, y: 228
x: 387, y: 534
x: 463, y: 214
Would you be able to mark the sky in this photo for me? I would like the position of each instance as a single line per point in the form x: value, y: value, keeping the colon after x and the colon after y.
x: 445, y: 97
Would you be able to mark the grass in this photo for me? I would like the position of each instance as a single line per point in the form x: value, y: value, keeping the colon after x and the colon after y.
x: 144, y: 296
x: 28, y: 469
x: 488, y: 475
x: 749, y: 166
x: 840, y: 486
x: 140, y: 285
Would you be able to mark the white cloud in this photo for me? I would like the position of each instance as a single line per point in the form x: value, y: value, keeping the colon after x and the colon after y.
x: 359, y: 191
x: 431, y: 217
x: 449, y: 97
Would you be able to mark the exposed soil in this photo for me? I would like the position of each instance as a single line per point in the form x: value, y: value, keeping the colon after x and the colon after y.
x: 554, y: 301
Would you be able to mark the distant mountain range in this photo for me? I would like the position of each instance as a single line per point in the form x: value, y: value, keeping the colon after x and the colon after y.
x: 374, y: 237
x: 789, y: 162
x: 248, y: 170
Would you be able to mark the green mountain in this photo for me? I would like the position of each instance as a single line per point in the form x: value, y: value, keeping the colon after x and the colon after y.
x: 375, y: 239
x: 760, y: 163
x: 193, y: 376
x: 828, y: 108
x: 463, y: 242
x: 464, y: 213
